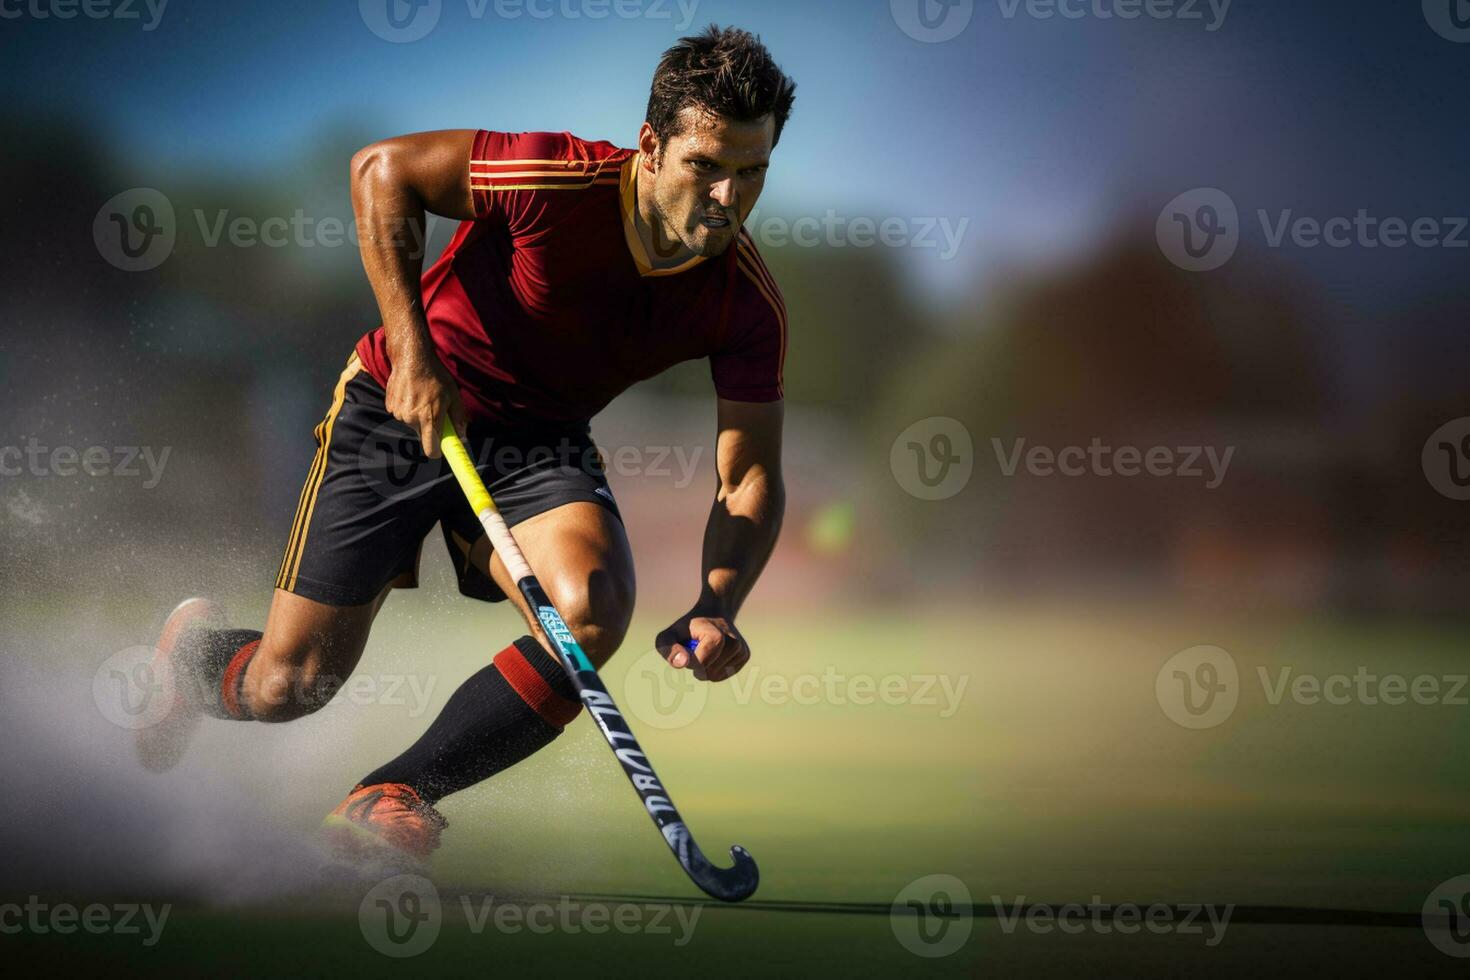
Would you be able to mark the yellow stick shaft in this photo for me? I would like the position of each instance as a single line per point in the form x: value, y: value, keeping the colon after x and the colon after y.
x: 481, y: 502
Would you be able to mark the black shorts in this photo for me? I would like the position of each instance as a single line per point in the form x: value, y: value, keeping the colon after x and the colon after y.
x: 372, y: 496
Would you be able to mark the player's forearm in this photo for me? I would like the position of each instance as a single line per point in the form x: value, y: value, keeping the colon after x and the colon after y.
x: 742, y: 530
x: 391, y: 222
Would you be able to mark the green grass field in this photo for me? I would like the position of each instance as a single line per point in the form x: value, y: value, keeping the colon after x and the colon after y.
x: 1045, y: 771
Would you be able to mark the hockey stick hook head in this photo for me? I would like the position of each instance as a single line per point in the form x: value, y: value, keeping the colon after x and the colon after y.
x: 735, y: 883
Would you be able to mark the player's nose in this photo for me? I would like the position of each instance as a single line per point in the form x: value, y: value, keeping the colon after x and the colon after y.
x: 723, y: 193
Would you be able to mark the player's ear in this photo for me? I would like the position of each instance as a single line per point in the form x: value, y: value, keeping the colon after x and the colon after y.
x: 648, y: 146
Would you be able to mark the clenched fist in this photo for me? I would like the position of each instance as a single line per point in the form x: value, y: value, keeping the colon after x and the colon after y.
x: 721, y: 651
x: 419, y: 393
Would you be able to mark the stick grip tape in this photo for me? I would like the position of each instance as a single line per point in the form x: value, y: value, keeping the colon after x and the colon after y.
x: 464, y: 469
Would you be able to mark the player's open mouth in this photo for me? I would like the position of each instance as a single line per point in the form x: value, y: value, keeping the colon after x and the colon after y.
x: 716, y: 221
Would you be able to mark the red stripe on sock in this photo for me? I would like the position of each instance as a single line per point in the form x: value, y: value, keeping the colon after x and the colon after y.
x: 526, y: 681
x: 229, y: 685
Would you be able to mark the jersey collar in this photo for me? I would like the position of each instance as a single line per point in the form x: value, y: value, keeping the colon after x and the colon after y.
x: 628, y: 203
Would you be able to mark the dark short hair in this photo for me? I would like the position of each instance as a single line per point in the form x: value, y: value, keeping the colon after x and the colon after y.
x: 723, y: 71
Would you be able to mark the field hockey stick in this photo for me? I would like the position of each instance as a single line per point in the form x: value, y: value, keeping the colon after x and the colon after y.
x: 727, y: 884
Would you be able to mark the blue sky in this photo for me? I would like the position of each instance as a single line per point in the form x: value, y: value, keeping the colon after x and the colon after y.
x: 1039, y: 131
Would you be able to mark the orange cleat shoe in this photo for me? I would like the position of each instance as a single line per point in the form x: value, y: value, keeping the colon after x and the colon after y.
x: 161, y: 745
x: 374, y: 819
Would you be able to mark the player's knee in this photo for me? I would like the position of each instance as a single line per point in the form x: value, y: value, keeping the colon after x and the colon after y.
x: 597, y: 610
x: 289, y: 684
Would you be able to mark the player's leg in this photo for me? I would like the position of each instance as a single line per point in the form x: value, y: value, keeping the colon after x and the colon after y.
x: 583, y: 559
x: 567, y: 525
x: 306, y: 653
x: 523, y: 699
x: 362, y: 516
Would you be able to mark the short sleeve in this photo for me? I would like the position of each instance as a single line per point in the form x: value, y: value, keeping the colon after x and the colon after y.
x: 749, y: 365
x: 507, y: 170
x: 495, y: 168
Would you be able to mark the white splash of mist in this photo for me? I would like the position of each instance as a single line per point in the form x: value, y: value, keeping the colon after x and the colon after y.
x: 82, y: 817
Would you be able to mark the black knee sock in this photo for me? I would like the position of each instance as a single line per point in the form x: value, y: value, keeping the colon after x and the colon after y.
x: 210, y: 669
x: 498, y: 717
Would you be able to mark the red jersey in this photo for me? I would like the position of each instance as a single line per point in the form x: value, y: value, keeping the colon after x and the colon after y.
x: 545, y: 307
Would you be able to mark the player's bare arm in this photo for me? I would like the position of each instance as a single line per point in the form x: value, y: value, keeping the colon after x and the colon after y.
x: 738, y: 539
x: 395, y: 183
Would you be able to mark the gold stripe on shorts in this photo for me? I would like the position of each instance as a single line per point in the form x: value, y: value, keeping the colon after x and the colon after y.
x: 291, y: 563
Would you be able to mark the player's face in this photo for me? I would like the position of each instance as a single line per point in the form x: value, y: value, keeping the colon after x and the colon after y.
x: 709, y: 179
